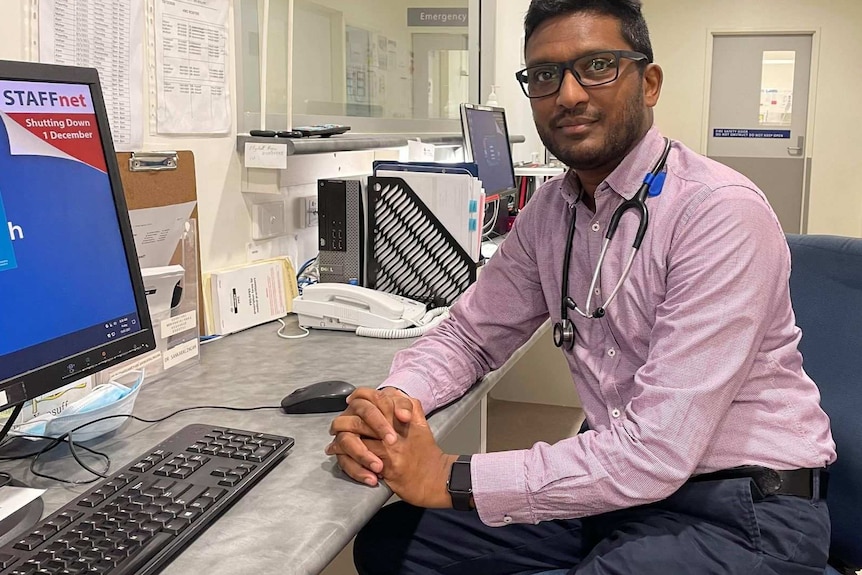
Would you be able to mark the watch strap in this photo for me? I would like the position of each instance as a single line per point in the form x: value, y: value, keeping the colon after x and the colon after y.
x: 460, y: 485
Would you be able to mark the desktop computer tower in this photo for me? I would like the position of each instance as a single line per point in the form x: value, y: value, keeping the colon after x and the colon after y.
x: 341, y: 224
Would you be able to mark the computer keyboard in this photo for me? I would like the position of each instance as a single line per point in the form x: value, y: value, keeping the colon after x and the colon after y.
x: 138, y: 519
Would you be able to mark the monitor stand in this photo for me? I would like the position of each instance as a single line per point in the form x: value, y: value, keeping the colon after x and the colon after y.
x: 21, y: 520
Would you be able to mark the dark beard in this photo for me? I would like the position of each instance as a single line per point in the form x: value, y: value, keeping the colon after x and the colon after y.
x: 618, y: 143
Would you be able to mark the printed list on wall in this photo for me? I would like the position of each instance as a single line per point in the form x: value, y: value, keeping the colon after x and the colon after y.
x: 106, y: 35
x: 191, y: 50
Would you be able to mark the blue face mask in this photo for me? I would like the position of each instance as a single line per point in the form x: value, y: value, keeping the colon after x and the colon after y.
x: 113, y: 398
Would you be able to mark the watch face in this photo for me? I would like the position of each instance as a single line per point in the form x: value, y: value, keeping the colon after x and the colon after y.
x: 459, y: 478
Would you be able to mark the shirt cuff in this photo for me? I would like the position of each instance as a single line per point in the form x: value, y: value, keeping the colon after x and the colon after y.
x: 500, y: 488
x: 413, y: 385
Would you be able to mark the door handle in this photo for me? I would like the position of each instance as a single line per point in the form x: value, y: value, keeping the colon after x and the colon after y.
x: 800, y: 146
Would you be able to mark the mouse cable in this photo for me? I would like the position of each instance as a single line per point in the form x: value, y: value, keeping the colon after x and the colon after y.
x: 280, y: 332
x: 67, y: 438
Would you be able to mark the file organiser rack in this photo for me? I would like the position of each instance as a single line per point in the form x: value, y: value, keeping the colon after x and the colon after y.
x: 410, y: 253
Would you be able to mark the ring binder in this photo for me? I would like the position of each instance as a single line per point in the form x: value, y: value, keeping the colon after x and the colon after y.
x: 410, y: 253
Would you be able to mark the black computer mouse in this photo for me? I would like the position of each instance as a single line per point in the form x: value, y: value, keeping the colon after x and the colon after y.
x: 320, y: 397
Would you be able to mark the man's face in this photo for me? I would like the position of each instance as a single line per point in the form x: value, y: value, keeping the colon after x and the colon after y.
x: 588, y: 128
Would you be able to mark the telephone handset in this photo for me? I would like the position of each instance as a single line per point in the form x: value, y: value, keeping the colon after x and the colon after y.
x: 368, y: 312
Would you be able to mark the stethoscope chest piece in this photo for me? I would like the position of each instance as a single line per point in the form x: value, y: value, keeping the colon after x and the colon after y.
x: 564, y: 334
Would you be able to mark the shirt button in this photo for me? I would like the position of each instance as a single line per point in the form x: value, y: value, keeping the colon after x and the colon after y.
x: 612, y: 352
x: 507, y: 519
x: 597, y: 291
x: 615, y: 413
x: 596, y: 226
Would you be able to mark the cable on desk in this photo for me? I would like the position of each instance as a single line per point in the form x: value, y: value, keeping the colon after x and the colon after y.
x: 67, y: 437
x: 280, y: 332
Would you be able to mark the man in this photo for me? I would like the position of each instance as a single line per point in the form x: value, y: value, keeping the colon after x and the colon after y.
x: 706, y: 437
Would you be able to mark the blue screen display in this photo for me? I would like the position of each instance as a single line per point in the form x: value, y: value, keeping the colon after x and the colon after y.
x: 491, y: 153
x: 64, y: 275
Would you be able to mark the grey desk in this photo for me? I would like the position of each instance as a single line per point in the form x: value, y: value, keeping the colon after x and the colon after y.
x: 297, y: 519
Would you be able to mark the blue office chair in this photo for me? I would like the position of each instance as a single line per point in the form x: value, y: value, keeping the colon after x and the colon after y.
x: 826, y: 289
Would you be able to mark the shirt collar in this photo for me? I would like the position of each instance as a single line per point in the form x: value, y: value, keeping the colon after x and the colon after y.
x: 627, y: 178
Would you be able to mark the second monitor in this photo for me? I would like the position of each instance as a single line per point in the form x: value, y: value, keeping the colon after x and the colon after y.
x: 486, y: 143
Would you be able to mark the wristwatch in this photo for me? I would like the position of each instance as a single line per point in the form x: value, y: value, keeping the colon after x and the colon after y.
x: 460, y: 484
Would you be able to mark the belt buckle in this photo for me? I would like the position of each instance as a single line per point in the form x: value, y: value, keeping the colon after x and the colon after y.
x: 767, y: 480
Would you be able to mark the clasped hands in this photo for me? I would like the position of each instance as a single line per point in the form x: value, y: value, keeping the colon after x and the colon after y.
x: 383, y: 433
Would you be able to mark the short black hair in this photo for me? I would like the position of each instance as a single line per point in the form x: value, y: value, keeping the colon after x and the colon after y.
x: 632, y: 24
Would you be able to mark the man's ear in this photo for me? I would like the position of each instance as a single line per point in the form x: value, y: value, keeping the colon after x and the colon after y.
x: 653, y: 78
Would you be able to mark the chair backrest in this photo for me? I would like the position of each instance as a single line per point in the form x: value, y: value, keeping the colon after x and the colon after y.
x: 826, y: 290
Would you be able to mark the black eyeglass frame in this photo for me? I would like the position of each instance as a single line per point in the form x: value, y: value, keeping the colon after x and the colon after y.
x: 523, y: 77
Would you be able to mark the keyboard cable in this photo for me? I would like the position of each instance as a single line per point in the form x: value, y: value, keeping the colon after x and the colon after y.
x: 67, y: 438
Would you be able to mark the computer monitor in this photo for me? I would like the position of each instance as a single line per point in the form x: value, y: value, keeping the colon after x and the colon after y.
x: 72, y: 301
x: 486, y: 142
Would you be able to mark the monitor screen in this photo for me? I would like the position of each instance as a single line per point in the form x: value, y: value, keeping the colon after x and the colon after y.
x: 487, y: 143
x: 72, y: 296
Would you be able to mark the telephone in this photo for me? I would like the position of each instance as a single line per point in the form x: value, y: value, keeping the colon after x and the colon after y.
x: 366, y: 311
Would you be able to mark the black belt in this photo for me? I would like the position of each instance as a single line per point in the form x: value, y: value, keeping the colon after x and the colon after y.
x: 807, y: 483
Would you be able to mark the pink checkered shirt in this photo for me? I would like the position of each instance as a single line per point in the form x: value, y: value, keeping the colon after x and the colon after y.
x: 694, y: 369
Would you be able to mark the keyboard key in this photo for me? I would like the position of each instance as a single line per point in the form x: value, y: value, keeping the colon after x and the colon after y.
x: 78, y: 567
x: 181, y: 472
x: 201, y: 503
x: 29, y: 543
x: 162, y: 485
x: 165, y: 470
x: 175, y: 526
x: 230, y: 480
x: 164, y: 517
x: 42, y: 557
x: 25, y: 569
x: 190, y: 495
x: 178, y: 489
x: 141, y: 536
x: 141, y: 467
x: 189, y: 515
x: 241, y: 454
x: 214, y: 493
x: 220, y: 471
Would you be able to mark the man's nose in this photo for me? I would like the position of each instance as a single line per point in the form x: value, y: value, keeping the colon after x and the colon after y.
x: 571, y: 93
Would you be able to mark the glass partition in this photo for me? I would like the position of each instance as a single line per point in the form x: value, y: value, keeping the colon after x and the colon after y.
x: 376, y: 65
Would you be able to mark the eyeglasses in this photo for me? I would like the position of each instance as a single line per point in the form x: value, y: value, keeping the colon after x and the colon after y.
x: 594, y: 69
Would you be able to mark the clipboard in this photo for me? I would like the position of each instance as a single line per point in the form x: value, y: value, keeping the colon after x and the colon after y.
x: 157, y: 179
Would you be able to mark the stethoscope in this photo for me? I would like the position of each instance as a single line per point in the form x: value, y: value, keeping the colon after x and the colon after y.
x: 564, y: 330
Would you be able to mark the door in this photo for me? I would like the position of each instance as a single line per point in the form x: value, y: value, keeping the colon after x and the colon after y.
x: 758, y: 115
x: 441, y: 76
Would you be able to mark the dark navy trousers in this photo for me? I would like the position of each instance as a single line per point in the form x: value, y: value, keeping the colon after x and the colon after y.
x: 713, y: 527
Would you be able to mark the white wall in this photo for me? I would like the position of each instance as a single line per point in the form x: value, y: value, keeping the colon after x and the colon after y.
x: 12, y: 30
x: 510, y: 29
x: 679, y: 34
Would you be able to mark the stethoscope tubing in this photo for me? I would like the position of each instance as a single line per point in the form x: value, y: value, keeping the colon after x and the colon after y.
x: 564, y: 329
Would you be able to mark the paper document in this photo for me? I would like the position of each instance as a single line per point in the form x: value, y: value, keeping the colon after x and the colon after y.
x: 251, y: 295
x: 107, y: 35
x: 158, y: 231
x: 14, y: 498
x: 191, y: 66
x: 454, y: 199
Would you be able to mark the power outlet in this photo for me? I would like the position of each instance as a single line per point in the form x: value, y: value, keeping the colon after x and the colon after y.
x: 267, y: 220
x: 310, y: 211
